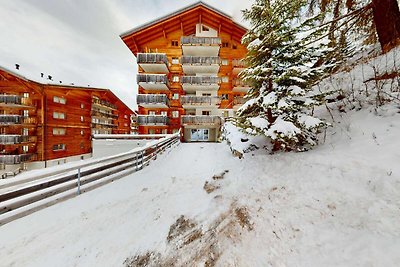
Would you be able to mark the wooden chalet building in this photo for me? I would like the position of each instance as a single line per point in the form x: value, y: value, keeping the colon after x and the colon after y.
x: 189, y: 63
x: 43, y: 125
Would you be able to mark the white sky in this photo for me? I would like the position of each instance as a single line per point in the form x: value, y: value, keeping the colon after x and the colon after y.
x: 77, y: 41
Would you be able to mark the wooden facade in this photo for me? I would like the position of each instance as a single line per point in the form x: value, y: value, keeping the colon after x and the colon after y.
x: 44, y: 122
x: 192, y: 57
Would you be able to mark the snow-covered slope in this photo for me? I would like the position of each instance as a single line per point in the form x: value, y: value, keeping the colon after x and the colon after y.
x: 337, y: 205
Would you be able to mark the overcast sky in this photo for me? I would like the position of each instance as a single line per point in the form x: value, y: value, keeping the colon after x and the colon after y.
x: 77, y: 41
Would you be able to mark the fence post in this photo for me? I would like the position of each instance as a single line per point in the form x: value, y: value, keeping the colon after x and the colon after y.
x: 79, y: 181
x: 137, y: 161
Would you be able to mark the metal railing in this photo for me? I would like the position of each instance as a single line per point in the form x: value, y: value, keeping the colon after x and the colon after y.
x: 152, y: 58
x: 152, y: 99
x: 240, y: 83
x: 103, y: 113
x: 153, y: 120
x: 16, y: 159
x: 201, y: 80
x: 16, y: 119
x: 71, y: 181
x: 200, y: 120
x: 103, y: 103
x: 15, y: 100
x: 239, y: 100
x: 238, y: 63
x: 100, y: 124
x: 200, y: 100
x: 6, y: 139
x: 193, y: 40
x: 191, y: 60
x: 152, y: 78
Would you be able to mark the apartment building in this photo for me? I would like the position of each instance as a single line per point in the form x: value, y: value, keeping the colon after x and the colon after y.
x: 43, y: 125
x: 189, y: 63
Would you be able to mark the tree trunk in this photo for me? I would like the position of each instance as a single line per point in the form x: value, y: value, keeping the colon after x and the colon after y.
x: 387, y: 22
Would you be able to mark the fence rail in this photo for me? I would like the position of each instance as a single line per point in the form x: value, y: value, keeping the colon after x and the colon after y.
x: 193, y: 40
x: 200, y: 60
x: 52, y: 186
x: 152, y: 58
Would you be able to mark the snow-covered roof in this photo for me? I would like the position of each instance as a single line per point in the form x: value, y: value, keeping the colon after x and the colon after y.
x: 177, y: 12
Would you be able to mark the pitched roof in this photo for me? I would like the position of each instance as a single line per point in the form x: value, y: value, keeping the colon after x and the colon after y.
x: 177, y: 12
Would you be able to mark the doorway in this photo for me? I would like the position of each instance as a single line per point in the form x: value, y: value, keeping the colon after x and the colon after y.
x: 199, y: 135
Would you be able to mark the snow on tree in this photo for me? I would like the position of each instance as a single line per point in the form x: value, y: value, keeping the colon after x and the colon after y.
x: 284, y: 61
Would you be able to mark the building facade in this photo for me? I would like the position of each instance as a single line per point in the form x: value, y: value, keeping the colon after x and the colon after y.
x: 43, y: 125
x: 189, y: 63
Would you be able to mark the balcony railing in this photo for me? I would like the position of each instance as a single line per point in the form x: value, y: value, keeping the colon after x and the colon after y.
x: 193, y: 40
x: 152, y: 99
x: 152, y: 78
x: 201, y: 80
x: 152, y: 58
x: 104, y: 103
x: 190, y: 60
x: 16, y: 159
x: 153, y: 120
x: 100, y: 124
x: 16, y: 119
x: 200, y: 100
x: 103, y: 113
x: 201, y: 120
x: 238, y: 63
x: 239, y: 101
x: 10, y: 139
x: 15, y: 100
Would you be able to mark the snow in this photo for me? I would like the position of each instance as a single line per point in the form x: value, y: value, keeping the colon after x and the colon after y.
x: 281, y: 126
x: 309, y: 121
x: 337, y: 205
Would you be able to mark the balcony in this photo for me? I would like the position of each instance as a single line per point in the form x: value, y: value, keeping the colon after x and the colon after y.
x: 16, y: 120
x: 200, y: 101
x: 238, y: 65
x: 238, y: 101
x: 100, y: 113
x: 200, y: 46
x: 103, y: 104
x: 15, y: 101
x: 16, y: 159
x: 240, y: 86
x: 205, y: 83
x: 152, y: 101
x: 201, y: 120
x: 103, y: 124
x: 193, y: 65
x: 153, y: 82
x: 153, y: 120
x: 11, y: 139
x: 153, y: 62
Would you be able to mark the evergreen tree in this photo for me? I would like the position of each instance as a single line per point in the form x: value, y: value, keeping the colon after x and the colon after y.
x: 284, y: 61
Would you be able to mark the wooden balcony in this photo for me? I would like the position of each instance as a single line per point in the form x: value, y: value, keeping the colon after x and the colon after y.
x: 205, y: 83
x: 238, y: 65
x: 152, y: 120
x: 15, y: 101
x: 201, y: 120
x: 153, y: 62
x: 16, y: 120
x: 238, y: 101
x: 103, y: 104
x: 190, y: 101
x: 151, y: 82
x: 196, y: 64
x: 11, y: 139
x: 200, y: 46
x: 100, y: 113
x: 239, y: 86
x: 17, y: 159
x: 153, y: 100
x: 103, y: 125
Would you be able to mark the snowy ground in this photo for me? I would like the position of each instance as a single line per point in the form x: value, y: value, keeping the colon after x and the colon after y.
x: 338, y: 205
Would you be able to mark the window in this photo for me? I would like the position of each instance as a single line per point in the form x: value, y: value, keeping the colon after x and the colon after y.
x: 25, y: 149
x: 26, y: 95
x: 205, y: 29
x: 225, y: 79
x: 225, y: 44
x: 175, y: 114
x: 205, y: 112
x: 225, y: 62
x: 234, y: 46
x: 165, y: 131
x: 225, y: 113
x: 152, y: 112
x: 59, y: 131
x: 175, y: 79
x: 60, y: 100
x: 82, y: 132
x: 25, y: 113
x: 164, y: 113
x: 175, y: 96
x: 58, y: 115
x: 224, y: 96
x: 82, y: 106
x: 175, y: 61
x: 206, y: 94
x: 25, y: 131
x: 125, y: 116
x: 152, y: 131
x: 174, y: 43
x: 82, y: 118
x: 175, y: 131
x: 58, y: 147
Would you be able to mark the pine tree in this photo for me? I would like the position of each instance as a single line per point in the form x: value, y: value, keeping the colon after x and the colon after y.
x: 284, y: 61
